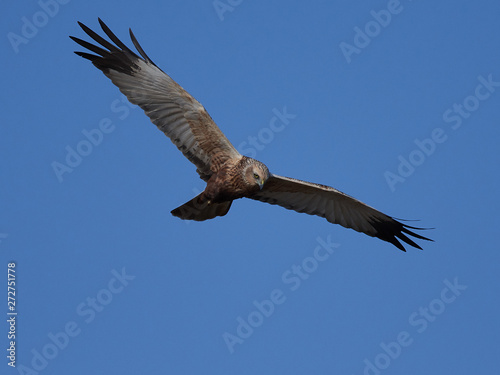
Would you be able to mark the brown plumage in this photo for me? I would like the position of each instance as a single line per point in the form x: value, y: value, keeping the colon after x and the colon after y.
x: 228, y: 174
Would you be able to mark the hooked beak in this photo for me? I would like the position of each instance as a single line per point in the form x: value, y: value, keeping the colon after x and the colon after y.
x: 261, y: 184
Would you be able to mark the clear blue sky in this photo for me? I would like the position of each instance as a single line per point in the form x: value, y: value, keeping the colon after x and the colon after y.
x: 395, y: 103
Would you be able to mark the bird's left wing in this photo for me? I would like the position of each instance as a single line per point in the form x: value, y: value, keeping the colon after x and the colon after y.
x: 176, y: 113
x: 336, y: 207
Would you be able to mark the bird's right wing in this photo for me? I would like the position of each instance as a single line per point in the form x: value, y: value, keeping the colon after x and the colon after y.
x: 336, y: 207
x: 176, y: 113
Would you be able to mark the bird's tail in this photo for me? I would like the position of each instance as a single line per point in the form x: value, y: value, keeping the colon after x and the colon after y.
x: 199, y: 209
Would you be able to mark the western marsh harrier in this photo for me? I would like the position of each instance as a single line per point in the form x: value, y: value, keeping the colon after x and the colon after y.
x: 228, y: 174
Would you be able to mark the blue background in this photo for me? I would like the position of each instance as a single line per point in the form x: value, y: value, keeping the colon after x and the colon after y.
x: 357, y: 116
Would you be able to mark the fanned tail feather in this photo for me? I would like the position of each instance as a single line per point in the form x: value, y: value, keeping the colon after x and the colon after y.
x: 200, y: 209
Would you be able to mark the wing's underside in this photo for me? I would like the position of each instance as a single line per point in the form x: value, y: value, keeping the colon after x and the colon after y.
x: 337, y: 208
x: 172, y: 109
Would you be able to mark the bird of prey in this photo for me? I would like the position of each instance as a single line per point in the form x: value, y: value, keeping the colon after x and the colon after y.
x: 228, y: 174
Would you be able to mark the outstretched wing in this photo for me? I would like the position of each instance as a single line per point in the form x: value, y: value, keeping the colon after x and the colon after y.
x: 176, y: 113
x: 336, y: 207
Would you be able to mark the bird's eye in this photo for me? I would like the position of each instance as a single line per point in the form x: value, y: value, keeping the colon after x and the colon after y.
x: 256, y: 176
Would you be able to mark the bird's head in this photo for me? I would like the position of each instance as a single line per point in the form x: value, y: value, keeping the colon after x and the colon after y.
x: 256, y: 174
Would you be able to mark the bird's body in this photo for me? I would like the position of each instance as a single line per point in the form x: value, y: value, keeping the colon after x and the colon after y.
x: 235, y: 179
x: 228, y: 174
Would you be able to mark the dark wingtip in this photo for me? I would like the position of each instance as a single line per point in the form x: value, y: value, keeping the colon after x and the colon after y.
x: 405, y: 231
x: 396, y: 243
x: 106, y: 55
x: 395, y: 232
x: 87, y: 56
x: 114, y: 38
x: 139, y: 48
